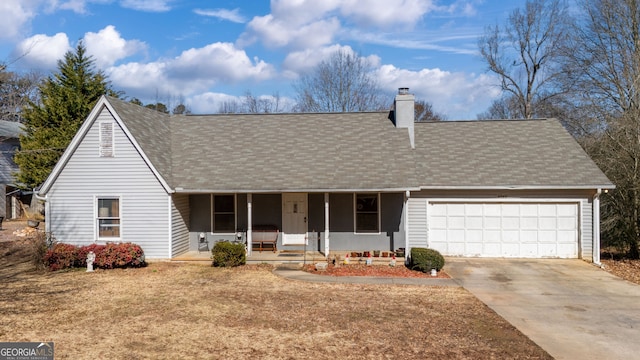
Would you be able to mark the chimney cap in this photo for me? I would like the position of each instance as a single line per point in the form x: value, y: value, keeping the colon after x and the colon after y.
x: 403, y: 91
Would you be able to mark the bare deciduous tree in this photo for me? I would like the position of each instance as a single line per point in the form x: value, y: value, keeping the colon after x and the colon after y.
x: 342, y: 83
x: 525, y: 54
x: 424, y: 112
x: 604, y: 63
x: 16, y: 91
x: 251, y: 104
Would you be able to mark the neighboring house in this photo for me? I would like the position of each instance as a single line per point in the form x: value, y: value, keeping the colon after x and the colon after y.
x: 331, y: 182
x: 9, y: 142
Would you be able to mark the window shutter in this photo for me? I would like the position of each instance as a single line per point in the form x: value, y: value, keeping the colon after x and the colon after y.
x: 106, y: 139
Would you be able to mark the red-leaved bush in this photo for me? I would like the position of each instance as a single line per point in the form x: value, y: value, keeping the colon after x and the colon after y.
x: 120, y: 256
x: 60, y: 256
x: 110, y: 256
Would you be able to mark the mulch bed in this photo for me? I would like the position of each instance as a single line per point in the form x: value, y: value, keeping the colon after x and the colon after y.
x: 372, y: 270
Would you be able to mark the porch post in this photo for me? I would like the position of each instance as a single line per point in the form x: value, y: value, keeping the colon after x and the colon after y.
x: 326, y: 224
x: 596, y: 228
x: 249, y: 222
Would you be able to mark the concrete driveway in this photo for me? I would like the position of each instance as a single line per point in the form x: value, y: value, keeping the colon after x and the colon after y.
x: 570, y: 308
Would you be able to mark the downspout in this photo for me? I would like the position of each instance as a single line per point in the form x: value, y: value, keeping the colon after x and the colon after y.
x: 45, y: 198
x: 407, y: 250
x: 596, y: 228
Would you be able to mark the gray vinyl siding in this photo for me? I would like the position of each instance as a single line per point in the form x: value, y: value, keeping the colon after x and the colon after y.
x: 3, y: 202
x: 586, y: 230
x: 180, y: 215
x: 417, y: 221
x: 144, y: 203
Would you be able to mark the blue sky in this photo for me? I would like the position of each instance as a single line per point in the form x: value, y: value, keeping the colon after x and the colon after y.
x: 208, y: 52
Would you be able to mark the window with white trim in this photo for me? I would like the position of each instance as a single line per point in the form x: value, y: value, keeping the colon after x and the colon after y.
x: 224, y: 213
x: 106, y: 139
x: 108, y: 220
x: 367, y: 213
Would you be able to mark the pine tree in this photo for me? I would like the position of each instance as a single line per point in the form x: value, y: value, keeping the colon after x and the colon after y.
x: 65, y: 100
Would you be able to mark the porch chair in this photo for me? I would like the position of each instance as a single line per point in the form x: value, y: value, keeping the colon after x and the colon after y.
x: 202, y: 242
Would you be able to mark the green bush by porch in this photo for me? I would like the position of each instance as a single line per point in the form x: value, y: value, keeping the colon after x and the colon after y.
x: 424, y: 260
x: 227, y: 254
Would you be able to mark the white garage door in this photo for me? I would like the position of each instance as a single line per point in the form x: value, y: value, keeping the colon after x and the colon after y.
x: 504, y: 229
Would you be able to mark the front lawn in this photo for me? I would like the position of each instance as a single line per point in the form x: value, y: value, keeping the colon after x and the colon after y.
x: 174, y: 310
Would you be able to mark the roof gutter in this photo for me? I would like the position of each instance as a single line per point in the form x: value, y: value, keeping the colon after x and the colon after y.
x: 180, y: 190
x: 520, y: 187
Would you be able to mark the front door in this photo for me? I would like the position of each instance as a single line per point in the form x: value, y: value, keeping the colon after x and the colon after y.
x: 294, y: 219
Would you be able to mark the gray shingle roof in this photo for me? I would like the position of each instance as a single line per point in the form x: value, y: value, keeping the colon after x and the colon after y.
x: 502, y: 153
x: 354, y: 151
x: 151, y: 129
x: 272, y: 152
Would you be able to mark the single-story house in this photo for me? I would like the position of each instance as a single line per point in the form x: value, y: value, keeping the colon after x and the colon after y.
x: 331, y: 182
x: 10, y: 132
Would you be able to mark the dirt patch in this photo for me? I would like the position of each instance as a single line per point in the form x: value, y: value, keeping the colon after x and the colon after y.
x: 177, y: 310
x: 624, y: 268
x: 373, y: 270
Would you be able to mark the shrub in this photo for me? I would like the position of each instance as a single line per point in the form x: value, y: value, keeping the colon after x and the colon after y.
x: 60, y: 256
x: 38, y: 245
x: 426, y: 259
x: 227, y: 254
x: 83, y: 251
x: 121, y: 255
x: 110, y: 256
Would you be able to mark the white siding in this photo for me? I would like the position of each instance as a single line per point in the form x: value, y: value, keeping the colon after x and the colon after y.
x: 180, y: 224
x: 145, y: 214
x: 417, y: 222
x: 586, y: 231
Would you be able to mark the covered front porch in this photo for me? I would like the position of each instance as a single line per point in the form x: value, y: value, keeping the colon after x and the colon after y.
x: 302, y: 224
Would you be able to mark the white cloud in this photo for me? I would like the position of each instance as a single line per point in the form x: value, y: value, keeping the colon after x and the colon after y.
x: 274, y: 32
x: 300, y: 62
x: 107, y: 46
x: 41, y: 52
x: 310, y: 23
x: 403, y: 13
x: 147, y: 5
x: 450, y: 93
x: 192, y: 71
x: 210, y: 102
x: 223, y: 14
x: 16, y: 15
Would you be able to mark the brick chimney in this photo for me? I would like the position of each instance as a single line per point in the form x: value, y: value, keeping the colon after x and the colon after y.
x: 404, y: 112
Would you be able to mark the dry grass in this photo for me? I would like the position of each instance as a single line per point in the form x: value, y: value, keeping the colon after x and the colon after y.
x: 171, y: 310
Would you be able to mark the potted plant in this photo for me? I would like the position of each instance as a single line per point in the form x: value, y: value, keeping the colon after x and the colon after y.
x: 376, y: 253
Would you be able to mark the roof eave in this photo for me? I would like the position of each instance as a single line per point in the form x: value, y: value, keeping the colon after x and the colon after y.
x: 179, y: 190
x: 521, y: 187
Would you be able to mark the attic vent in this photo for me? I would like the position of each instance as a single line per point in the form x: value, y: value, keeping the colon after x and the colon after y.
x: 106, y: 139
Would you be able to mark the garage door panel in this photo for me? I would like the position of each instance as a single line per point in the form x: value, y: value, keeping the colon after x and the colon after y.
x: 566, y: 236
x: 529, y: 249
x: 455, y: 222
x: 493, y: 223
x: 504, y: 229
x: 547, y: 209
x: 529, y: 223
x: 529, y: 236
x: 474, y: 210
x: 474, y: 222
x: 438, y: 222
x: 510, y: 210
x: 565, y: 223
x: 547, y: 223
x: 511, y: 223
x: 456, y: 209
